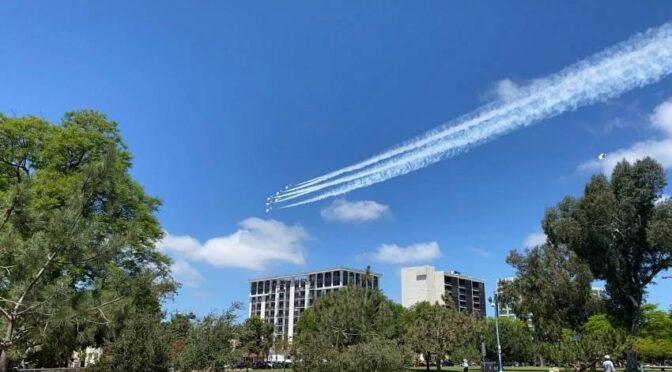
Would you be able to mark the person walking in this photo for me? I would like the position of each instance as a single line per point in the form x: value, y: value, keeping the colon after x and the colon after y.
x: 465, y: 365
x: 608, y: 365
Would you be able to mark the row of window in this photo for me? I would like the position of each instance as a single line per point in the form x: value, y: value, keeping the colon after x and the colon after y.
x: 319, y: 280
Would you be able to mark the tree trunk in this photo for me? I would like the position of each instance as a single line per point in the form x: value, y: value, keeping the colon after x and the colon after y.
x: 427, y: 357
x: 4, y: 362
x: 631, y: 364
x: 9, y: 332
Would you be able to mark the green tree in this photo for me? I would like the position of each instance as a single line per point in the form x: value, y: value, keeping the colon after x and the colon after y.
x: 256, y: 336
x: 654, y: 342
x: 622, y: 232
x: 342, y: 331
x: 178, y: 329
x: 437, y: 331
x: 516, y: 340
x: 211, y: 342
x: 584, y: 348
x: 553, y: 285
x: 142, y: 345
x: 282, y: 346
x: 74, y: 226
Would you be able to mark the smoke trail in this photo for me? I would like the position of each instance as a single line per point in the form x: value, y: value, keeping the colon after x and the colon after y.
x: 642, y: 60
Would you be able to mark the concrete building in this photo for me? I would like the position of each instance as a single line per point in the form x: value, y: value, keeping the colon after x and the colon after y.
x: 424, y: 283
x: 282, y: 299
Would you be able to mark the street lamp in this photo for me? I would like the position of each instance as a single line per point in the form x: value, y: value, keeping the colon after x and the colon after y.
x: 495, y: 303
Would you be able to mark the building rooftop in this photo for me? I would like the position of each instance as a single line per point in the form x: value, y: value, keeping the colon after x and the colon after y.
x: 306, y: 273
x: 447, y: 272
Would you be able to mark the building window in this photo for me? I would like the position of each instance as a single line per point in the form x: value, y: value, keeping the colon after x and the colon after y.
x: 421, y: 277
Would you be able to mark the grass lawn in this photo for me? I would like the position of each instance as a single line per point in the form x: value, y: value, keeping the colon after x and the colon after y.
x: 471, y: 369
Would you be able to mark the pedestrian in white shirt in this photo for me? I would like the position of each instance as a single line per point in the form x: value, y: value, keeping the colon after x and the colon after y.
x: 608, y: 364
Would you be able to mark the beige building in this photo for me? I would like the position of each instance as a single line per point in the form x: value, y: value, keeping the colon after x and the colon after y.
x: 424, y: 283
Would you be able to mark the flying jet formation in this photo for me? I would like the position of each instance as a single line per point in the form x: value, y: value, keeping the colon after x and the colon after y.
x: 642, y: 60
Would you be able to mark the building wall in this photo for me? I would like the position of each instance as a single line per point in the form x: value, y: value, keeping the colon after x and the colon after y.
x: 424, y: 283
x: 419, y: 284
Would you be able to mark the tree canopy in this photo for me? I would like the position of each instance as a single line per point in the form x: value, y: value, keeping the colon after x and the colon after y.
x: 622, y: 230
x: 77, y: 235
x: 554, y: 286
x: 349, y: 329
x: 439, y: 331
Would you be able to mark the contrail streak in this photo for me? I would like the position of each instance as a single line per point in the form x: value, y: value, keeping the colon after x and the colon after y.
x: 643, y: 59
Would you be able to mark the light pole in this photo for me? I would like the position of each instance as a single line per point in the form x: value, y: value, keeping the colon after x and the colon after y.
x: 495, y: 303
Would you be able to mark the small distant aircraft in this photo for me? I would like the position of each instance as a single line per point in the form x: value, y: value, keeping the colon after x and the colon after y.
x: 667, y: 277
x: 268, y: 209
x: 602, y: 156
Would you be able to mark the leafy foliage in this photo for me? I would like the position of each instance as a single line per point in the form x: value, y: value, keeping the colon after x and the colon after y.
x: 553, y: 285
x: 517, y: 344
x: 621, y: 231
x: 77, y: 234
x: 351, y: 328
x: 256, y: 336
x: 141, y: 346
x: 210, y: 342
x: 438, y: 331
x: 654, y: 342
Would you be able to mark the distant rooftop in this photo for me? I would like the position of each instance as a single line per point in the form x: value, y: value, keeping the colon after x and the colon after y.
x: 306, y: 273
x: 462, y: 276
x: 448, y: 272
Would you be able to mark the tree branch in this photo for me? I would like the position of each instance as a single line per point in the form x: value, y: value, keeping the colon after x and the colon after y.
x: 36, y: 278
x: 5, y: 313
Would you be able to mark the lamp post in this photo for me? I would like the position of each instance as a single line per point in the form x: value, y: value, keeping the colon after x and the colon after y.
x: 495, y: 303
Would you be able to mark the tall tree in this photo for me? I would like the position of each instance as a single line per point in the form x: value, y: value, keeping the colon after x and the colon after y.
x: 437, y: 331
x: 623, y: 231
x: 343, y: 330
x: 517, y: 345
x: 74, y: 227
x: 553, y: 285
x: 211, y: 342
x: 256, y: 336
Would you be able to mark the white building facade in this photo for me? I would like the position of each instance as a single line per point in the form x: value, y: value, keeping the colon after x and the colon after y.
x: 282, y: 299
x: 425, y: 283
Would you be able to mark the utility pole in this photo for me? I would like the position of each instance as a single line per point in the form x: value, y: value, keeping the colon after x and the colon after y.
x: 499, y: 346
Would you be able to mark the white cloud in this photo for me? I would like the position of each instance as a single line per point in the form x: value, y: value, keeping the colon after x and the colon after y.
x: 354, y: 211
x: 534, y: 240
x: 663, y: 198
x: 392, y: 253
x: 662, y: 117
x: 256, y: 244
x: 186, y: 274
x: 507, y: 89
x: 659, y: 149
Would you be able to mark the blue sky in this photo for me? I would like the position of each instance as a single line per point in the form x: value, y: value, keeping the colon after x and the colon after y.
x: 223, y: 103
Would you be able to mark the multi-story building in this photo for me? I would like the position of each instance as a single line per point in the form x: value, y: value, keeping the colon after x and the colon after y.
x: 282, y: 299
x: 424, y: 283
